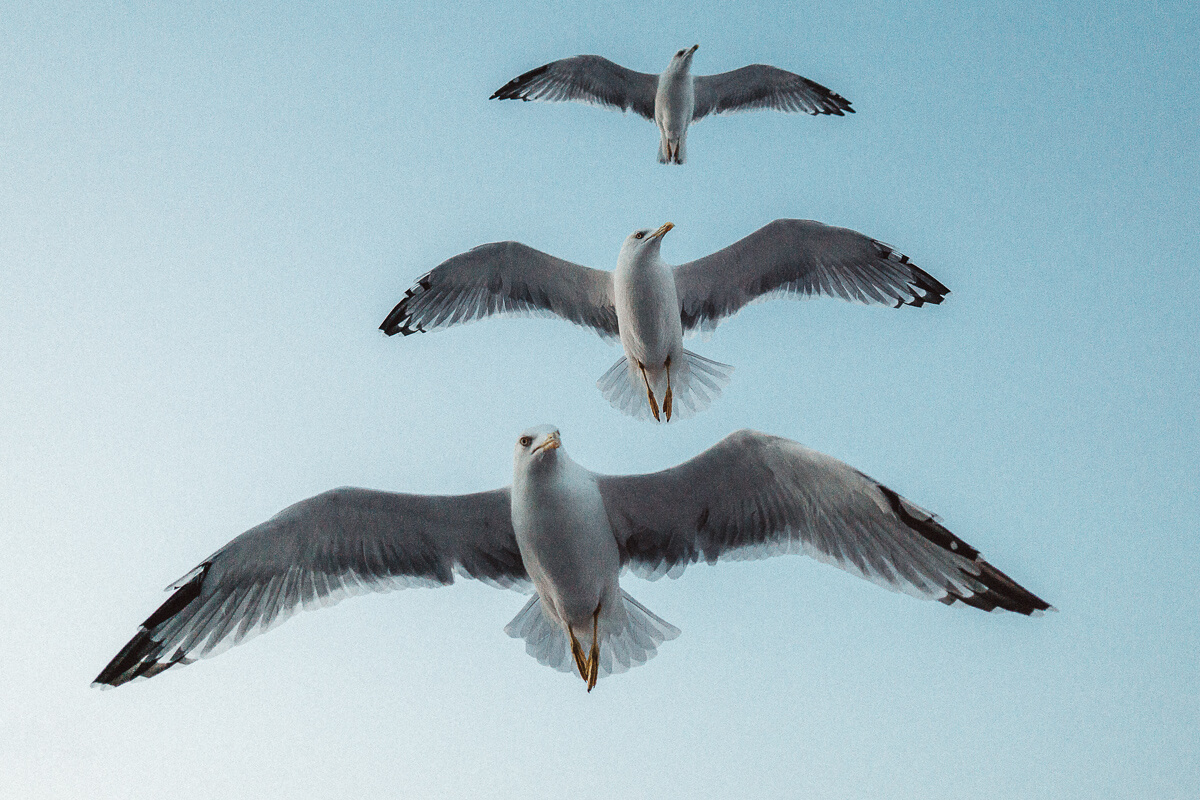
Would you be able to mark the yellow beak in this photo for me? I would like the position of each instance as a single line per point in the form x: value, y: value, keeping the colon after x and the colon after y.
x: 552, y: 443
x: 662, y: 231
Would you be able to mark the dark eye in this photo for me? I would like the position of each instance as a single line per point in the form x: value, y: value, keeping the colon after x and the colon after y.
x: 679, y: 54
x: 526, y: 441
x: 639, y: 234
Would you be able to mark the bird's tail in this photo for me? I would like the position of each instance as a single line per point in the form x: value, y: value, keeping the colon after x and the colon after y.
x: 628, y: 636
x: 695, y: 383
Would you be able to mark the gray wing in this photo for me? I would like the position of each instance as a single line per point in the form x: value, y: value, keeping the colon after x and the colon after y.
x: 800, y: 257
x: 587, y: 79
x: 314, y: 553
x: 761, y: 86
x: 505, y: 278
x: 752, y: 495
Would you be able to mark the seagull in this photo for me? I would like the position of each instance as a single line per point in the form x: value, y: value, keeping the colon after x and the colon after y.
x: 649, y: 305
x: 568, y: 533
x: 676, y: 98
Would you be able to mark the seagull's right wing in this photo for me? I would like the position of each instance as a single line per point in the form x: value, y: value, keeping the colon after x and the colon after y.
x: 752, y: 495
x: 799, y: 257
x: 314, y: 553
x: 761, y: 86
x: 587, y: 79
x: 505, y: 278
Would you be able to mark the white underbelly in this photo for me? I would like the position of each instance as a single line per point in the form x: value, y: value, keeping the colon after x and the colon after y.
x: 570, y: 552
x: 648, y: 321
x: 673, y: 108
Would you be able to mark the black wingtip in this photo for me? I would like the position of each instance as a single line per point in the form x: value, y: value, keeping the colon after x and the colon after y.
x: 924, y: 287
x: 141, y: 656
x: 391, y: 325
x: 935, y: 290
x: 830, y: 101
x: 998, y: 590
x: 514, y: 88
x: 400, y: 320
x: 1003, y: 592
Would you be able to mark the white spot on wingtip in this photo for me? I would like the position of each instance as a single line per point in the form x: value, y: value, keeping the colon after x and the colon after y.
x: 179, y: 584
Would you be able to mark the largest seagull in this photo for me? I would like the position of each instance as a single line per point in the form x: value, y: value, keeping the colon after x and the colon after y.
x: 569, y: 532
x: 674, y: 99
x: 650, y: 306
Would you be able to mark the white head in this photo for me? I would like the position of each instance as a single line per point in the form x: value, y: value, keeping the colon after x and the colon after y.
x: 536, y: 447
x: 643, y: 244
x: 682, y: 60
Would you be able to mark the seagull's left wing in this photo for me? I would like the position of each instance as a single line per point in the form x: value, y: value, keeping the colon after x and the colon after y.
x: 587, y: 79
x: 761, y: 86
x: 505, y: 278
x: 752, y: 495
x: 801, y: 257
x: 314, y: 553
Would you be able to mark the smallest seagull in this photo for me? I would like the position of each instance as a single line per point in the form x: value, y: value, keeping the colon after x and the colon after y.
x: 676, y: 98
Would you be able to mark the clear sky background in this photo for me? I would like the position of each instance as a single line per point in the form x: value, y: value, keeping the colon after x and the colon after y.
x: 207, y: 209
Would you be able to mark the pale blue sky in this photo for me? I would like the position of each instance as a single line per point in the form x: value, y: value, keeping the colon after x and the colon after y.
x: 205, y: 212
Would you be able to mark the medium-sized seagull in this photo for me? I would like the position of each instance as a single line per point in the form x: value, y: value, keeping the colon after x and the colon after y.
x: 649, y: 305
x: 569, y: 532
x: 676, y: 98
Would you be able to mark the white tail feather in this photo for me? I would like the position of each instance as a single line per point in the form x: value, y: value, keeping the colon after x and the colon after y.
x: 695, y: 383
x: 629, y: 636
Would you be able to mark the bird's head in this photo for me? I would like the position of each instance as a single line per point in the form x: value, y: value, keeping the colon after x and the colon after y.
x: 536, y: 446
x: 643, y: 244
x: 682, y: 60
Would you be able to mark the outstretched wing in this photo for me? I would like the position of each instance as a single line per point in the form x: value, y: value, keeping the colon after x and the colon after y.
x: 761, y: 86
x: 587, y: 79
x: 505, y: 278
x: 802, y: 257
x: 314, y: 553
x: 752, y: 495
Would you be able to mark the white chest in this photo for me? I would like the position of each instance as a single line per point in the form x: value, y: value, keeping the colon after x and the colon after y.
x: 565, y: 539
x: 647, y: 308
x: 674, y: 102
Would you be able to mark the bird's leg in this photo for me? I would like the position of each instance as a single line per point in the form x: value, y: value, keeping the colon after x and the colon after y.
x: 649, y: 391
x: 577, y: 652
x: 594, y: 656
x: 667, y: 396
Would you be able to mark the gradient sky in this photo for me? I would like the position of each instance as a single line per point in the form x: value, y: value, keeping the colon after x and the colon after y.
x: 207, y: 209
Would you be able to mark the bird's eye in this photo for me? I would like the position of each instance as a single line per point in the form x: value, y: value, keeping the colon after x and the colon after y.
x: 679, y: 54
x: 639, y: 234
x: 526, y: 441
